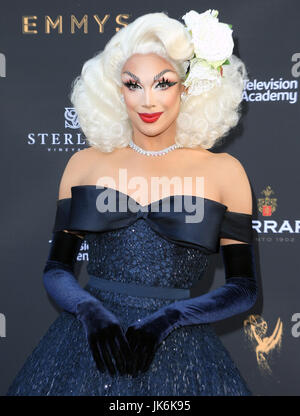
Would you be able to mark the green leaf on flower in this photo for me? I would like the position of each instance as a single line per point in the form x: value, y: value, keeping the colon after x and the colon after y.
x: 229, y: 25
x: 226, y: 62
x: 216, y: 64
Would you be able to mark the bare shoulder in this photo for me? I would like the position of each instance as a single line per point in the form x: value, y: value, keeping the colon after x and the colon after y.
x: 75, y: 170
x: 229, y: 161
x: 235, y: 186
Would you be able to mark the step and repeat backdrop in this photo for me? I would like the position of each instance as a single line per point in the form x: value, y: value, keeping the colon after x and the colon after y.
x: 43, y: 46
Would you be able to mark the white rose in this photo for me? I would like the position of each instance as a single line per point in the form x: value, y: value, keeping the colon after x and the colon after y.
x: 201, y: 78
x: 212, y: 39
x: 213, y: 42
x: 192, y: 18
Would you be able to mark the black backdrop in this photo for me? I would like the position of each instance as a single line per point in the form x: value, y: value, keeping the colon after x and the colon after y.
x: 36, y: 71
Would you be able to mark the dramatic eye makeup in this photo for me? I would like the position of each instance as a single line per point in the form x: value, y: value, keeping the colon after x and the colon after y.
x: 133, y: 85
x: 165, y: 83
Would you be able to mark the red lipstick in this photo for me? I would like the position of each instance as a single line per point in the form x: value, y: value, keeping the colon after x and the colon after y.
x: 150, y: 117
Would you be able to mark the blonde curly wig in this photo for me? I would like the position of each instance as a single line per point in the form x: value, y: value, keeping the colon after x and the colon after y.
x: 202, y: 121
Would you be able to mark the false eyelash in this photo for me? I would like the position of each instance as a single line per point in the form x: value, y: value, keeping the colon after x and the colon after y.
x: 129, y: 83
x: 164, y: 81
x: 167, y: 82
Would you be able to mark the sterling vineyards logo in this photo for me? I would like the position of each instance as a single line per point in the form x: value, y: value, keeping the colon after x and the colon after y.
x: 68, y: 140
x: 71, y: 119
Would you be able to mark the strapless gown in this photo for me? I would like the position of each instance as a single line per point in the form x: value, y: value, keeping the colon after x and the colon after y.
x: 146, y: 248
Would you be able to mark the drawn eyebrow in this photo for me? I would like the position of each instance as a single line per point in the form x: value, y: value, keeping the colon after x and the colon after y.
x: 154, y: 78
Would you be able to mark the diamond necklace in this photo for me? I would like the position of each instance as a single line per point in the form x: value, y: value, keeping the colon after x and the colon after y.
x: 154, y: 153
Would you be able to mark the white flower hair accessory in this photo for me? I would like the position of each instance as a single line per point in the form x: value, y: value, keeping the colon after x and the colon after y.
x: 213, y: 45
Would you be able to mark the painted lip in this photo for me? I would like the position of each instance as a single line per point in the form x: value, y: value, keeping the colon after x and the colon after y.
x: 150, y: 117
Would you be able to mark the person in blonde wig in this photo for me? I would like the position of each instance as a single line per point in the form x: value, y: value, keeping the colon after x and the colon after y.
x: 202, y: 121
x: 134, y: 329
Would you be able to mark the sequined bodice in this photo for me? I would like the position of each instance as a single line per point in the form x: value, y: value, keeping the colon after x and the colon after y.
x: 137, y: 254
x: 156, y: 247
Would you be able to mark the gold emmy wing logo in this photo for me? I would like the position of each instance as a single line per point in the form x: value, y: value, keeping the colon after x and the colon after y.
x: 255, y: 328
x: 267, y: 205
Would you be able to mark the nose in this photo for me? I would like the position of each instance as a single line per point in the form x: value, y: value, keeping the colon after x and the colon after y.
x: 148, y: 98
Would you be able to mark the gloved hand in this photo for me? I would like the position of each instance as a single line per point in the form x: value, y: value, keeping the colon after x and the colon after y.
x: 237, y: 295
x: 104, y: 333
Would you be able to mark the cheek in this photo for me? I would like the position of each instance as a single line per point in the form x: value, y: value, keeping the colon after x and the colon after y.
x: 131, y: 100
x: 171, y: 98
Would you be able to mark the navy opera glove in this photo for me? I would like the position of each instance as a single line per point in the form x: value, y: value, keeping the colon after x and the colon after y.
x: 237, y: 295
x: 104, y: 333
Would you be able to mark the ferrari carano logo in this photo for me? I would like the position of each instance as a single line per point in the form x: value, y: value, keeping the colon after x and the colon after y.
x: 255, y: 328
x: 267, y: 205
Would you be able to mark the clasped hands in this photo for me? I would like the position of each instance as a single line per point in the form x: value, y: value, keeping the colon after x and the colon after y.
x: 132, y: 351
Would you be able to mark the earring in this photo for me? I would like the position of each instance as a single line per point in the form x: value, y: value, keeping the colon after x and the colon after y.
x: 122, y: 98
x: 183, y: 95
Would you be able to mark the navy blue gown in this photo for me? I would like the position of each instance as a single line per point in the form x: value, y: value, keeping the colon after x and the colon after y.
x: 144, y: 248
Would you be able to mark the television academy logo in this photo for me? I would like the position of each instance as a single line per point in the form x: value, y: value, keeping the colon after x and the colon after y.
x: 275, y: 90
x: 271, y: 90
x: 60, y: 141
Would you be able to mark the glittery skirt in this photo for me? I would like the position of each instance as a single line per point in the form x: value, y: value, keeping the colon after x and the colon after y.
x: 191, y: 361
